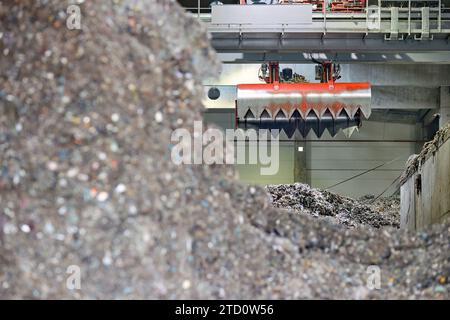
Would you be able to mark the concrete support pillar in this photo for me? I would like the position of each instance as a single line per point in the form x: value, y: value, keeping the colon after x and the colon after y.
x: 444, y: 106
x: 300, y: 163
x: 420, y: 135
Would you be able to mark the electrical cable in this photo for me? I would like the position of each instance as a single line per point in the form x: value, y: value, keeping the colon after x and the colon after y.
x: 362, y: 173
x: 393, y: 182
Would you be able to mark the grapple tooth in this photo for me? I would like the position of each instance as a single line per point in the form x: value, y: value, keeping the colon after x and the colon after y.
x: 349, y: 111
x: 348, y: 132
x: 326, y: 122
x: 332, y: 130
x: 301, y: 128
x: 366, y: 111
x: 285, y: 112
x: 320, y: 110
x: 273, y: 113
x: 293, y: 112
x: 311, y: 122
x: 297, y: 135
x: 354, y: 110
x: 241, y: 112
x: 280, y: 115
x: 317, y: 113
x: 296, y: 115
x: 304, y: 111
x: 290, y: 130
x: 320, y: 129
x: 326, y: 134
x: 283, y: 135
x: 265, y: 115
x: 333, y: 112
x: 249, y: 115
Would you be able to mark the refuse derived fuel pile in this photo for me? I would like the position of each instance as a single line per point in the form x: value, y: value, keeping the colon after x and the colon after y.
x: 86, y: 178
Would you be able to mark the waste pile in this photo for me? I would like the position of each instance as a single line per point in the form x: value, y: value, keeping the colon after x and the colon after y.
x: 88, y: 190
x: 387, y: 207
x: 303, y: 199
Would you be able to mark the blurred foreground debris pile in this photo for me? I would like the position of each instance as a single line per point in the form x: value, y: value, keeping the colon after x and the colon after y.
x: 86, y: 178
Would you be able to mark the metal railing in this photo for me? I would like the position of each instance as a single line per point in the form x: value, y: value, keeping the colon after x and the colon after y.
x: 377, y: 16
x: 384, y: 9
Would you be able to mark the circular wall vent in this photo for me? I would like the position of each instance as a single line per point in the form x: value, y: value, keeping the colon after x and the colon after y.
x: 213, y: 93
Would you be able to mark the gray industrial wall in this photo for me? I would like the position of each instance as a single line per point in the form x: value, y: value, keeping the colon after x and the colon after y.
x: 332, y: 162
x: 425, y: 196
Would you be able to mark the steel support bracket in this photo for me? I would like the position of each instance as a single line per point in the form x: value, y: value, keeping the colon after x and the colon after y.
x: 394, y: 26
x: 425, y: 34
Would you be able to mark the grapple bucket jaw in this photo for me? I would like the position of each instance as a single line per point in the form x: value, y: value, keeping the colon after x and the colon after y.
x: 298, y: 108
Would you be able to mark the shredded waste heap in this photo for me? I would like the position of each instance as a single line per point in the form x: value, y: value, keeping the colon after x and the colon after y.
x: 302, y: 198
x: 86, y: 178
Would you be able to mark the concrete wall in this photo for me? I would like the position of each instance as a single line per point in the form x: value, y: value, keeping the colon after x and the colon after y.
x: 425, y: 196
x: 250, y: 173
x: 444, y: 106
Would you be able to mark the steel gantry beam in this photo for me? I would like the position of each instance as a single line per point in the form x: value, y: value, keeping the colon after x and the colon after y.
x: 295, y: 28
x: 440, y: 57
